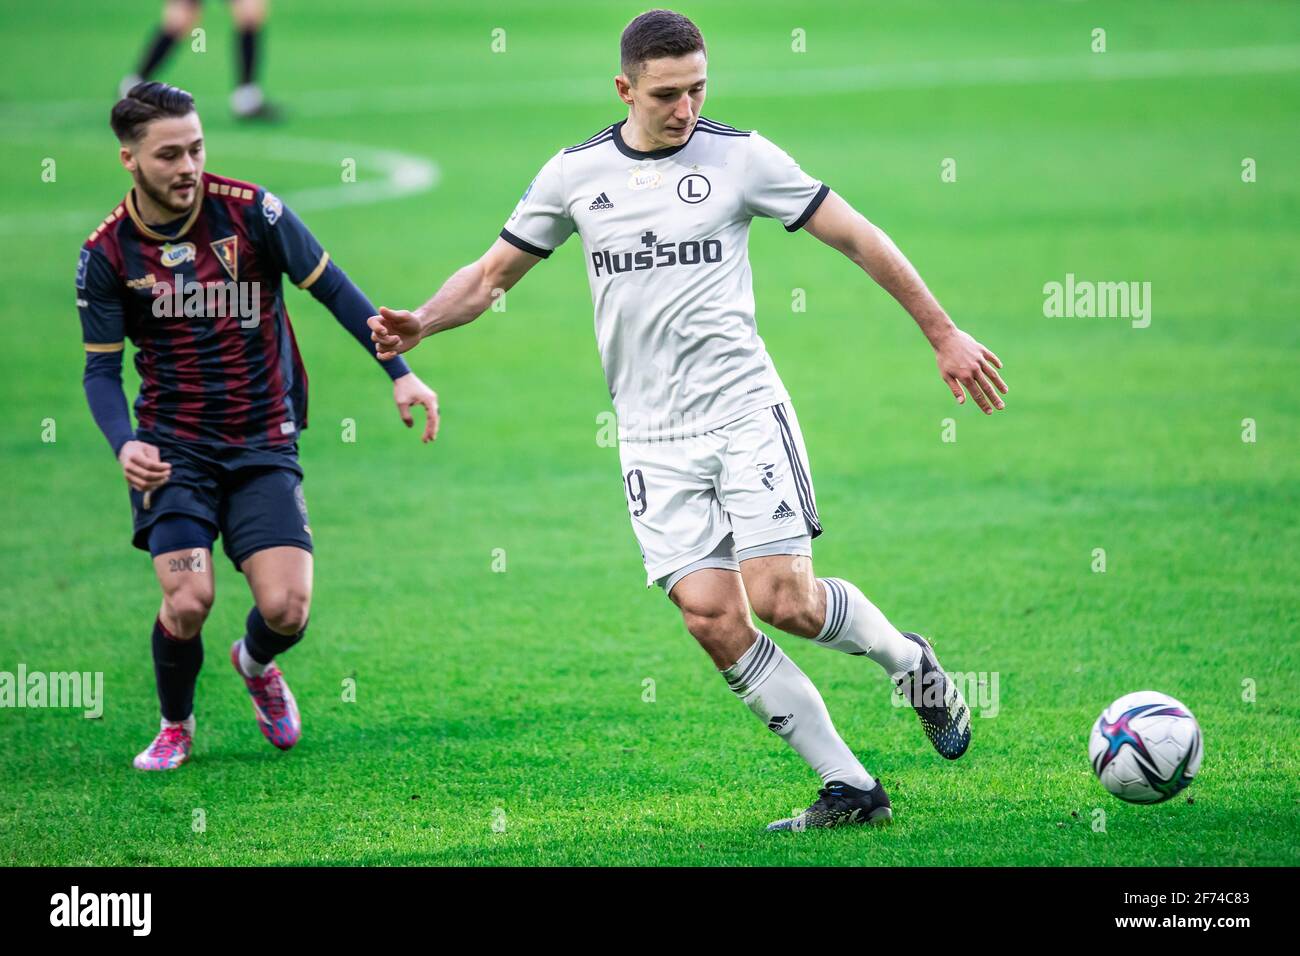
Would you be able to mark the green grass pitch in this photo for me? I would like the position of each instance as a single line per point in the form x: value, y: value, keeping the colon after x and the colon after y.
x: 500, y: 716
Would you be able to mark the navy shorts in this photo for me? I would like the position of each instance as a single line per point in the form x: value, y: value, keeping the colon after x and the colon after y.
x: 252, y: 498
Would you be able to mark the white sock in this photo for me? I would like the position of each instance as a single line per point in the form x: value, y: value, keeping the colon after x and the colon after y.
x: 128, y: 81
x: 855, y: 626
x: 783, y: 698
x: 187, y: 723
x: 246, y: 98
x: 248, y: 665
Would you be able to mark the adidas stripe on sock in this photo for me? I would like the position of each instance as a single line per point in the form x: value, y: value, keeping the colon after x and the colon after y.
x: 785, y: 700
x: 856, y: 626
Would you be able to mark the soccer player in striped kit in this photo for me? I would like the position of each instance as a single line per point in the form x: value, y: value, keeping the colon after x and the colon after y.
x: 714, y: 466
x: 189, y: 267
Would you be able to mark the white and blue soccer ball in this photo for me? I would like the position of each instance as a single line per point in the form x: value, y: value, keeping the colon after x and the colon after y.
x: 1145, y: 747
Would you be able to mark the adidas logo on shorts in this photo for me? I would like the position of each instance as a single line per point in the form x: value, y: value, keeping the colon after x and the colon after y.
x: 782, y: 512
x: 601, y: 202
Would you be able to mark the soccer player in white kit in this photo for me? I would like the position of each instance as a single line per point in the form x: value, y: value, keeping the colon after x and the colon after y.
x: 717, y: 478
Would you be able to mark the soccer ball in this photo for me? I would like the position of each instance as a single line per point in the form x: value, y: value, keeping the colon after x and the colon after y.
x: 1145, y: 747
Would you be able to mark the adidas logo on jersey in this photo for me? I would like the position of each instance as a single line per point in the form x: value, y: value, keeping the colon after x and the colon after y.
x: 782, y: 512
x: 601, y: 202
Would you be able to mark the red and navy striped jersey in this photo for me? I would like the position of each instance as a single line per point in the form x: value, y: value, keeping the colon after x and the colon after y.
x: 201, y: 299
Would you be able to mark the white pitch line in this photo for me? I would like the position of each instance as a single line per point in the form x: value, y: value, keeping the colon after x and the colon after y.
x: 1015, y: 71
x: 403, y: 175
x: 407, y: 174
x: 861, y: 78
x: 858, y: 78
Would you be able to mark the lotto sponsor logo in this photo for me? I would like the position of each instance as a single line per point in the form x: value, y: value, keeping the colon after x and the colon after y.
x: 174, y: 254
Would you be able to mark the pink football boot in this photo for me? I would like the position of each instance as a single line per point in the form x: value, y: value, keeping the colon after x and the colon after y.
x: 169, y: 749
x: 273, y: 703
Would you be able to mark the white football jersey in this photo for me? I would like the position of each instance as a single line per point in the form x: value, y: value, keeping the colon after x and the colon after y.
x: 666, y: 236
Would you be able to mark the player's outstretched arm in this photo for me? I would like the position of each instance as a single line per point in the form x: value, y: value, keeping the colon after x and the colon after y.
x: 962, y: 360
x: 351, y: 308
x: 311, y: 268
x: 465, y: 296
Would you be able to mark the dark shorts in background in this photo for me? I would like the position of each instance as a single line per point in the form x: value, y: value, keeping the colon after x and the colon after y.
x: 252, y: 497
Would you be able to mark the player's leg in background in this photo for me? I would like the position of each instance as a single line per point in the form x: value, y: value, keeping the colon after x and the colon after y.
x: 776, y: 691
x: 182, y: 558
x: 178, y: 19
x: 247, y: 101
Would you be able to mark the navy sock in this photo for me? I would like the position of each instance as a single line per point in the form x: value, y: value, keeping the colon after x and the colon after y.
x: 176, y: 665
x: 247, y: 55
x: 264, y: 644
x: 155, y: 53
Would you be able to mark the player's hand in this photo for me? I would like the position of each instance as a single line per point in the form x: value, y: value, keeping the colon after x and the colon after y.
x: 409, y: 391
x: 394, y: 331
x: 964, y: 362
x: 142, y: 466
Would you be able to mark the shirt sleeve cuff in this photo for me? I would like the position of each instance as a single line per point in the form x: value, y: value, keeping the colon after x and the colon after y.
x: 525, y: 245
x: 396, y: 367
x: 315, y: 273
x: 118, y: 440
x: 811, y: 208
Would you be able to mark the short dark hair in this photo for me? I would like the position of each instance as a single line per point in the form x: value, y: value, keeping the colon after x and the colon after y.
x: 654, y: 34
x: 144, y: 103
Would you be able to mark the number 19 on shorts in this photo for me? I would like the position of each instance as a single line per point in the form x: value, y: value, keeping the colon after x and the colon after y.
x: 635, y: 482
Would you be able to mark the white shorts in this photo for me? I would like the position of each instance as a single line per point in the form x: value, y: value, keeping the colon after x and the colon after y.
x: 748, y: 479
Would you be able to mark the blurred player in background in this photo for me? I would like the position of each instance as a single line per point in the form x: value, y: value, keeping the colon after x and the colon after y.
x: 714, y: 467
x: 179, y: 17
x: 189, y: 267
